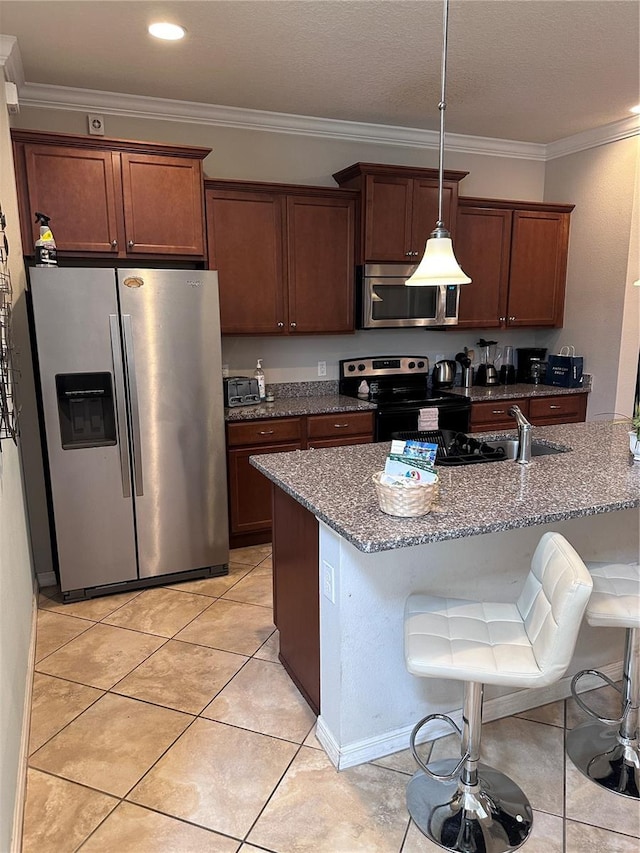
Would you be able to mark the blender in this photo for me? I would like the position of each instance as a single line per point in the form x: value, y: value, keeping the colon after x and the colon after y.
x: 507, y: 368
x: 487, y: 373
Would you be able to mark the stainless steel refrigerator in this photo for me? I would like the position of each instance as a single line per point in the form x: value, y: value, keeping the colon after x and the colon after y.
x: 131, y: 391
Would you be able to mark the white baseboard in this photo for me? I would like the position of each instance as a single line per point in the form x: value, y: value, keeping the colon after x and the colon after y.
x: 21, y: 784
x: 46, y: 579
x: 370, y: 749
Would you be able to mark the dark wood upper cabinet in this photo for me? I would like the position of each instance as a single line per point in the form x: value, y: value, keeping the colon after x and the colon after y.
x: 483, y: 249
x: 398, y: 209
x: 163, y: 204
x: 516, y: 256
x: 284, y: 256
x: 539, y: 246
x: 320, y: 261
x: 111, y: 197
x: 244, y: 233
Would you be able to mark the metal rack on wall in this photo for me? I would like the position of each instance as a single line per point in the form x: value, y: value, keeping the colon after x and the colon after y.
x: 8, y: 407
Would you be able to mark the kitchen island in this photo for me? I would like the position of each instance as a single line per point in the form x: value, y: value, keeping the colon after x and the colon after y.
x: 335, y: 551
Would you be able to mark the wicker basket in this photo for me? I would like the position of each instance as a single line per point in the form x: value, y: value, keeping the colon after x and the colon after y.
x: 407, y: 499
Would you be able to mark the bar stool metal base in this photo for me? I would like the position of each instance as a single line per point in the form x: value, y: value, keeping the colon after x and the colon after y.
x: 597, y: 752
x: 494, y: 817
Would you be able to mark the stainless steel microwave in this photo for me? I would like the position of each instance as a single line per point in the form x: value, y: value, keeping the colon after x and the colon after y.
x: 385, y: 302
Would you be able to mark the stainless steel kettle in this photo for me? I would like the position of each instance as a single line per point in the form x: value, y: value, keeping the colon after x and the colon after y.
x: 444, y: 373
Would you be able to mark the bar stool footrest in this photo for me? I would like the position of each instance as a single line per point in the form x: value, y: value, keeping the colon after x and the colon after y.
x: 412, y: 743
x: 574, y: 692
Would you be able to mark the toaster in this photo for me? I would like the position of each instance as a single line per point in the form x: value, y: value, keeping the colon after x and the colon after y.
x: 240, y: 391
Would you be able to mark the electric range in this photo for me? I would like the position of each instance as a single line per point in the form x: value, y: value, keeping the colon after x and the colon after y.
x: 399, y: 385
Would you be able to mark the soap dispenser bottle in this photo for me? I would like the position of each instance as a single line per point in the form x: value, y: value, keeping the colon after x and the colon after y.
x: 259, y: 375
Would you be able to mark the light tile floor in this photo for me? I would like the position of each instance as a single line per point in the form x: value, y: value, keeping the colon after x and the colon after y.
x: 162, y: 722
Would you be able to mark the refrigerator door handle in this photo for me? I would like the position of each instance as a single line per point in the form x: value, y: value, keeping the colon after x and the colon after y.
x: 118, y: 378
x: 133, y: 403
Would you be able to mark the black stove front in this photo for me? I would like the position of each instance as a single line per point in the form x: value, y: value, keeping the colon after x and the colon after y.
x: 399, y: 385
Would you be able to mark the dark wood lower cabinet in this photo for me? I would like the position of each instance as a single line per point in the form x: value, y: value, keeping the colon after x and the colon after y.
x: 249, y: 491
x: 296, y: 605
x: 250, y: 496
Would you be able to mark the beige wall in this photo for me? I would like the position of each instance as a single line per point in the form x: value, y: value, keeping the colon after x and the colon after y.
x: 292, y: 158
x: 601, y: 315
x: 16, y: 578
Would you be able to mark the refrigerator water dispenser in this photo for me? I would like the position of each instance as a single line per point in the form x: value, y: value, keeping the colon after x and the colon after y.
x: 86, y: 410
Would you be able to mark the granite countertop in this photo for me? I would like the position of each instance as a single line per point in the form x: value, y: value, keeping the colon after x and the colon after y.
x: 596, y: 476
x: 479, y: 394
x: 290, y: 406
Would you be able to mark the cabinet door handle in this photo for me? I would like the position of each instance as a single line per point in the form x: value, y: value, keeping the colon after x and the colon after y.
x: 408, y: 254
x: 512, y: 318
x: 502, y: 319
x: 293, y: 325
x: 498, y: 412
x: 114, y: 244
x: 265, y: 432
x: 280, y: 325
x: 340, y: 426
x: 555, y: 407
x: 130, y: 244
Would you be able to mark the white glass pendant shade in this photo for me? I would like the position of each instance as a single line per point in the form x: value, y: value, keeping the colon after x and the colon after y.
x: 438, y: 266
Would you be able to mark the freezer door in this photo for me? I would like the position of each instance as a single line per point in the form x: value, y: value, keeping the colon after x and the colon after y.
x: 171, y: 328
x: 79, y: 354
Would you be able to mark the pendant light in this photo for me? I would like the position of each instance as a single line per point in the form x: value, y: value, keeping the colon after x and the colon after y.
x: 438, y: 265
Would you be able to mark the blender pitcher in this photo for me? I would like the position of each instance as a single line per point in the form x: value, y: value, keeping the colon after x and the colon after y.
x: 487, y: 372
x: 507, y: 368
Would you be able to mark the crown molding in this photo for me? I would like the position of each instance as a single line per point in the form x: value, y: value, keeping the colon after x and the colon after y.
x: 45, y: 96
x: 11, y: 60
x: 623, y: 129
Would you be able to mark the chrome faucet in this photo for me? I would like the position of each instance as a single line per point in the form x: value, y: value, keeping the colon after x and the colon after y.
x: 524, y: 435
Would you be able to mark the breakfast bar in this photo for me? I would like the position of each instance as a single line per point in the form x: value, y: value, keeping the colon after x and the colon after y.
x: 343, y: 570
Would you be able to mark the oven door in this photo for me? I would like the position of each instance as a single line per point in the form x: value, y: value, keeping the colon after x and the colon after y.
x: 453, y: 415
x: 388, y: 303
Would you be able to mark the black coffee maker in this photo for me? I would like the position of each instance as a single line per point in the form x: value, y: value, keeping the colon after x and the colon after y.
x: 527, y: 355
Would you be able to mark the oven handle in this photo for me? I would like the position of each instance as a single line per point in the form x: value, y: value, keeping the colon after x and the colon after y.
x: 461, y: 409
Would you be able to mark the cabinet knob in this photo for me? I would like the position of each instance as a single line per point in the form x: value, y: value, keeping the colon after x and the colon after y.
x: 502, y: 319
x: 293, y: 325
x: 511, y: 319
x: 130, y: 244
x: 280, y: 325
x: 114, y: 244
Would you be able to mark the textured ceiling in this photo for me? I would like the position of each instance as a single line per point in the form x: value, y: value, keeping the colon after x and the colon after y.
x: 530, y: 70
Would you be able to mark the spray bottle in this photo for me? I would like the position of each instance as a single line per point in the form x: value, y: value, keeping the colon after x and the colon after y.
x: 46, y: 252
x: 259, y: 375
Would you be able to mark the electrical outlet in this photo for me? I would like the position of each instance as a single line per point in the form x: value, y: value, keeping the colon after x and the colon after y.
x: 96, y: 124
x: 328, y: 582
x: 322, y: 368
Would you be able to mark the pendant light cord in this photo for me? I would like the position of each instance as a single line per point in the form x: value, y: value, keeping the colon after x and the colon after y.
x: 442, y: 106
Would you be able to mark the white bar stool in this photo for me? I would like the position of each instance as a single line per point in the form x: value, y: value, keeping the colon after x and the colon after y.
x: 607, y: 751
x: 465, y: 805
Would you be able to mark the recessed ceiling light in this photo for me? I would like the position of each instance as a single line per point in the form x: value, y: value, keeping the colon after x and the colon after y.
x: 164, y: 30
x: 635, y: 109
